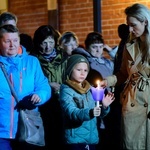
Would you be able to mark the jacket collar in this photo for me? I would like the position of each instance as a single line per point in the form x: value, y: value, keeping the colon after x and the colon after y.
x: 133, y: 49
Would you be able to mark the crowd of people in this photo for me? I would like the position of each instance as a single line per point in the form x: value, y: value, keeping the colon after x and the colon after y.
x: 52, y: 73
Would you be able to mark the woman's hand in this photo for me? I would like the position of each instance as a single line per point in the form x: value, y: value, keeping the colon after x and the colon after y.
x: 107, y: 47
x: 108, y: 99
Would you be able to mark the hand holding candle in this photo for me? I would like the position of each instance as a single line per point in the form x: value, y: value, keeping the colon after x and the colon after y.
x: 97, y: 111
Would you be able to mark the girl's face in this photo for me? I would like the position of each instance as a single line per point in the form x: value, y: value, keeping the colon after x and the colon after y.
x: 80, y: 72
x: 70, y: 46
x: 96, y: 49
x: 47, y: 45
x: 136, y: 27
x: 9, y: 44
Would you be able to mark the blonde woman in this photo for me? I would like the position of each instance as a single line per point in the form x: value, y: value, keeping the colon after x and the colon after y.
x: 135, y: 71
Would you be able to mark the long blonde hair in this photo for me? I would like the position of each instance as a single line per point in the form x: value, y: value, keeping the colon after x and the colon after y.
x: 142, y: 13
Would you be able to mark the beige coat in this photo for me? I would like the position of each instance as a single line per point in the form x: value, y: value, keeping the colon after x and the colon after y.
x: 135, y: 99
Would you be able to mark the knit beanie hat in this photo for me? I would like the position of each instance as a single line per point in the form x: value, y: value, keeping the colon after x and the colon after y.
x: 73, y: 60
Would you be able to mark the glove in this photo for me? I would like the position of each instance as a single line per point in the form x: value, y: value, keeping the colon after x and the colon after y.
x: 26, y: 103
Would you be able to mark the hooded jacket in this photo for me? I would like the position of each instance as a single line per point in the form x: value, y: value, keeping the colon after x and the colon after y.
x: 27, y: 78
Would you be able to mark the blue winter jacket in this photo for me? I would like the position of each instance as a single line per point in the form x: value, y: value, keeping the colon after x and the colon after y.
x: 27, y: 78
x: 79, y: 126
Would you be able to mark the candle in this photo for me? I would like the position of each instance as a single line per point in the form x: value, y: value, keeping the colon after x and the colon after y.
x: 98, y: 93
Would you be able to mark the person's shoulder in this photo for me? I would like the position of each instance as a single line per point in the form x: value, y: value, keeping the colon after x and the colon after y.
x: 106, y: 60
x: 67, y: 89
x: 81, y: 51
x: 64, y: 86
x: 32, y: 56
x: 130, y: 45
x: 32, y: 59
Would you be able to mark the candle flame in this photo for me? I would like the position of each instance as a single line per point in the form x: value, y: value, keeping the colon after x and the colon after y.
x: 98, y: 84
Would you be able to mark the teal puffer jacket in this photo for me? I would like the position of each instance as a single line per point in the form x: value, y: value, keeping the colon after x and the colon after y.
x: 79, y: 125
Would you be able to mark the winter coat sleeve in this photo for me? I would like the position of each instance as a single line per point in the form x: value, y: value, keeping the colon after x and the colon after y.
x: 42, y: 87
x: 121, y: 76
x: 74, y: 106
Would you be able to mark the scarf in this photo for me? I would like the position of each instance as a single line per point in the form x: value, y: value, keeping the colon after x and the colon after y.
x: 80, y: 89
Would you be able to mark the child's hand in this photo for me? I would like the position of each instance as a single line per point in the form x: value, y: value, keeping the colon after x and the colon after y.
x: 108, y: 99
x: 96, y: 111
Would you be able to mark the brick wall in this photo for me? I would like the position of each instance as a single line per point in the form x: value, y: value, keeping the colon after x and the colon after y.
x: 74, y: 15
x: 113, y: 15
x: 31, y: 14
